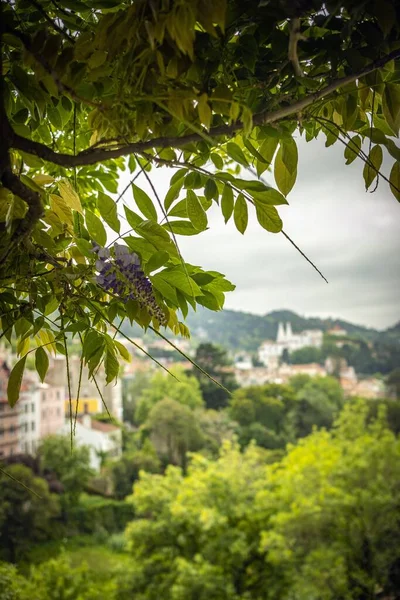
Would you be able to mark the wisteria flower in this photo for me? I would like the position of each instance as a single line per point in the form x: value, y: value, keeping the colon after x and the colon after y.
x: 123, y: 276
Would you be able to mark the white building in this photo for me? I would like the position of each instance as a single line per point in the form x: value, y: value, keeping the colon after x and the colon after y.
x: 101, y: 438
x: 287, y: 340
x: 243, y: 361
x: 29, y: 421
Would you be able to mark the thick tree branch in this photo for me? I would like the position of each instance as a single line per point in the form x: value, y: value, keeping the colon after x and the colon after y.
x: 8, y: 179
x: 95, y: 155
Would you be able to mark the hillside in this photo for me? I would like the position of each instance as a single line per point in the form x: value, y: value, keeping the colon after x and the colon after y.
x: 238, y: 330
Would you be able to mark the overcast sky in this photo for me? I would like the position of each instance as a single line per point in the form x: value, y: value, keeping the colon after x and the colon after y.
x: 352, y: 236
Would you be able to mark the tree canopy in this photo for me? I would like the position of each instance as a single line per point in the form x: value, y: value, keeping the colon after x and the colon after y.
x: 217, y: 90
x: 319, y: 524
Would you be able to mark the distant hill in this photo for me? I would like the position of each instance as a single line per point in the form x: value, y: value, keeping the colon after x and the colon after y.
x: 238, y: 330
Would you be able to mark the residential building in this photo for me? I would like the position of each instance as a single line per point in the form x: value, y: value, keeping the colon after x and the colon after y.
x: 112, y: 393
x: 52, y: 410
x: 287, y: 340
x: 9, y: 420
x: 29, y: 415
x: 41, y: 411
x: 103, y: 439
x: 83, y: 406
x: 337, y: 330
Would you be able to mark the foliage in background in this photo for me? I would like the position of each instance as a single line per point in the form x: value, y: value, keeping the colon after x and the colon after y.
x: 53, y: 579
x: 185, y: 389
x: 214, y: 90
x: 322, y: 523
x: 125, y: 471
x: 28, y: 511
x: 214, y: 361
x: 71, y: 466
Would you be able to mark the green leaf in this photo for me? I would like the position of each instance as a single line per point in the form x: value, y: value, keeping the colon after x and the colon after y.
x: 91, y: 343
x: 352, y: 149
x: 375, y: 157
x: 54, y: 117
x: 62, y: 210
x: 269, y: 218
x: 210, y: 301
x: 14, y: 382
x: 108, y: 210
x: 180, y: 174
x: 41, y: 363
x: 84, y: 247
x: 285, y: 167
x: 122, y: 350
x: 236, y: 153
x: 253, y: 150
x: 173, y: 192
x: 133, y: 218
x: 181, y: 228
x: 289, y: 154
x: 165, y: 289
x: 395, y: 180
x: 144, y: 203
x: 217, y: 160
x: 193, y: 180
x: 96, y: 228
x: 69, y: 195
x: 180, y: 280
x: 111, y: 366
x: 156, y: 261
x: 196, y: 212
x: 210, y: 189
x: 227, y: 202
x: 240, y: 214
x: 267, y: 151
x: 268, y: 195
x: 156, y: 235
x: 205, y: 112
x: 97, y: 59
x: 391, y: 106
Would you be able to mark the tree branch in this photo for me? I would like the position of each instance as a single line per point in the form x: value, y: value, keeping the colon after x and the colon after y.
x: 51, y: 22
x: 294, y: 37
x: 93, y: 156
x: 8, y: 179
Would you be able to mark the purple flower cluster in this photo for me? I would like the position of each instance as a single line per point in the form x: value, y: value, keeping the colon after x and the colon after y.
x: 122, y: 275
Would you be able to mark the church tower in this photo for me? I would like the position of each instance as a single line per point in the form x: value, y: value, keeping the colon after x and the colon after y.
x: 281, y: 337
x: 289, y: 332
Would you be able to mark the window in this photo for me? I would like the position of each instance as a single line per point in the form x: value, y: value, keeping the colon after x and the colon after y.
x: 1, y: 432
x: 26, y: 408
x: 25, y: 427
x: 58, y: 395
x: 33, y: 407
x: 12, y: 429
x: 58, y: 411
x: 33, y: 426
x: 44, y: 413
x: 43, y: 396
